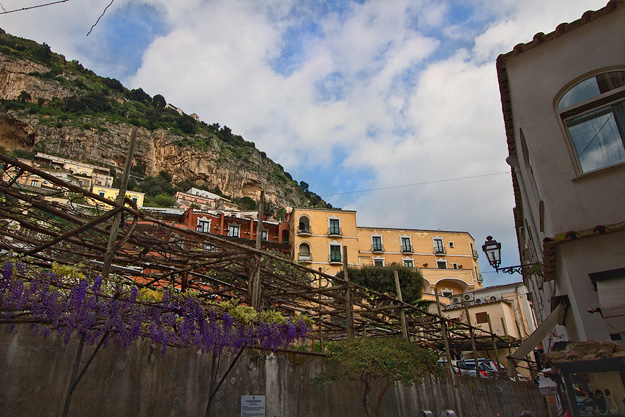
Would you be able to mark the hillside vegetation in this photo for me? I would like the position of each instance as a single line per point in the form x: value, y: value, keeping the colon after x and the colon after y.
x: 64, y: 108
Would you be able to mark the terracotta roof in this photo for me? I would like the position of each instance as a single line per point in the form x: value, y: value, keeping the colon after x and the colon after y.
x: 584, y: 351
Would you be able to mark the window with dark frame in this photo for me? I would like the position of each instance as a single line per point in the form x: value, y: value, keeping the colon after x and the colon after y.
x: 376, y: 244
x: 335, y: 253
x: 593, y: 113
x: 406, y: 246
x: 481, y: 317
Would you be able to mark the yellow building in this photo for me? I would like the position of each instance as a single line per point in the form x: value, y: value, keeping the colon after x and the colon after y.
x: 447, y: 259
x: 111, y: 194
x: 319, y: 236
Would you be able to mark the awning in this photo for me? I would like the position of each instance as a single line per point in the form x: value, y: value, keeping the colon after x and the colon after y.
x: 556, y: 317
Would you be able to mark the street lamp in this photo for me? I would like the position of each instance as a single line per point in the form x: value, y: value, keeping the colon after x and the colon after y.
x: 492, y: 249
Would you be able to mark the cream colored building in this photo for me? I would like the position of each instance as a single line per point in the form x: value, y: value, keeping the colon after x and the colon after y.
x: 447, y: 259
x: 563, y: 100
x: 92, y: 174
x: 504, y: 308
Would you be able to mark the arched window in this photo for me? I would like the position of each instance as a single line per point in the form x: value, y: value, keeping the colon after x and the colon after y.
x: 304, y: 252
x: 593, y: 112
x: 304, y: 225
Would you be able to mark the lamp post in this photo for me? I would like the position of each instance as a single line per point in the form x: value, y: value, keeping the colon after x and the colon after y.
x: 492, y: 249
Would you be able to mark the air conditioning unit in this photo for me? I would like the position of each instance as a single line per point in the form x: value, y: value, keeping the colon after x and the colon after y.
x: 493, y: 298
x: 478, y: 301
x: 456, y: 300
x: 468, y: 297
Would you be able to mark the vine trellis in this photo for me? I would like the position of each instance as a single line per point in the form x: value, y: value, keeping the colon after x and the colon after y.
x: 41, y: 227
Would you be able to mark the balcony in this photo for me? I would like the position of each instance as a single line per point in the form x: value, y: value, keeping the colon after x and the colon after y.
x: 334, y: 231
x: 305, y: 259
x: 439, y: 250
x: 377, y: 248
x: 304, y: 231
x: 335, y: 259
x: 406, y: 249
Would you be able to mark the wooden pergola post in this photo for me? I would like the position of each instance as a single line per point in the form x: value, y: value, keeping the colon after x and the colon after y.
x: 443, y: 331
x: 490, y: 327
x: 121, y: 196
x: 475, y: 357
x: 349, y: 307
x: 402, y: 312
x: 255, y: 279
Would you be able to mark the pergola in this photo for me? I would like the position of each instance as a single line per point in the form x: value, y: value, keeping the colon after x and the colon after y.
x: 115, y: 238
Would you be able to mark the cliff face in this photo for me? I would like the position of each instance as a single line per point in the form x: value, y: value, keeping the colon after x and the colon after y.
x: 17, y: 75
x: 155, y: 150
x: 93, y: 139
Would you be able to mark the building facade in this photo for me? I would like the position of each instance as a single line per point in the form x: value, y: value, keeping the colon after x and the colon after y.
x: 563, y: 100
x: 505, y: 309
x: 111, y: 194
x: 447, y: 259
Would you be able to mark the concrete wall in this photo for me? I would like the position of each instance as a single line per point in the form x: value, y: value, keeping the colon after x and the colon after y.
x: 139, y: 381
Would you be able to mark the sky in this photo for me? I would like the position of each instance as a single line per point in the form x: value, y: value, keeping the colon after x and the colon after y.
x: 387, y: 107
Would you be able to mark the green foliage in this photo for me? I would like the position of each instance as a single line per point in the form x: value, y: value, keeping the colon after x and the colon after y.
x: 159, y: 101
x: 246, y: 203
x: 382, y: 279
x: 24, y: 96
x: 281, y: 214
x: 23, y: 154
x: 153, y: 186
x: 165, y: 175
x: 387, y: 360
x: 159, y: 200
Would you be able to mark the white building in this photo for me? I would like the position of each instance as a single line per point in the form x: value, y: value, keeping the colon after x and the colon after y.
x: 563, y: 100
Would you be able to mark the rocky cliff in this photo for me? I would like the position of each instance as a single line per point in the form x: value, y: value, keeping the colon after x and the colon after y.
x: 53, y: 106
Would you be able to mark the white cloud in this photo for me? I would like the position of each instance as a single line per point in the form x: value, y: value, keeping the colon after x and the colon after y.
x: 403, y: 101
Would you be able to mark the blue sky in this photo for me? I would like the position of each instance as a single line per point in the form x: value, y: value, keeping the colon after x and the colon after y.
x: 345, y: 95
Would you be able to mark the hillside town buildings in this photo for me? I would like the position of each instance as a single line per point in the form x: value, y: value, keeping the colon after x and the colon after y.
x: 563, y: 100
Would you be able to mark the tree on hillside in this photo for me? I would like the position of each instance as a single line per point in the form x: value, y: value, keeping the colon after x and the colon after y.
x: 372, y: 361
x: 159, y: 101
x: 247, y: 203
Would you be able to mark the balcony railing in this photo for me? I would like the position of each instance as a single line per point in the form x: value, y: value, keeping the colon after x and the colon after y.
x: 377, y: 248
x: 305, y: 258
x: 475, y: 255
x: 439, y: 250
x: 334, y: 258
x: 303, y: 231
x: 334, y: 231
x: 406, y: 249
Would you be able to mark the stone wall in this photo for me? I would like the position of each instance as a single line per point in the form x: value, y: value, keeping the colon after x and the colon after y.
x: 140, y: 381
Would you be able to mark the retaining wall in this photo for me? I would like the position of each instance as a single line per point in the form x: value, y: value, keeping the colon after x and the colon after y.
x: 140, y: 381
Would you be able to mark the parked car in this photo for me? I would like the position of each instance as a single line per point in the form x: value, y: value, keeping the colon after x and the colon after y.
x: 454, y: 365
x: 486, y: 367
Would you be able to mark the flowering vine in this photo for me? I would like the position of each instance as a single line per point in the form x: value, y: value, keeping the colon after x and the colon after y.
x: 67, y: 301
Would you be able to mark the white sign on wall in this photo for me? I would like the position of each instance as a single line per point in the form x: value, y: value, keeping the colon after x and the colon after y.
x: 252, y: 406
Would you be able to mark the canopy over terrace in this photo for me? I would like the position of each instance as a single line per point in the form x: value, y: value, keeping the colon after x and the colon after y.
x: 42, y: 228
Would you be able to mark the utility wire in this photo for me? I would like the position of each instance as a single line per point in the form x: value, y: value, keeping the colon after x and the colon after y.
x: 31, y: 7
x: 417, y: 183
x: 98, y: 21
